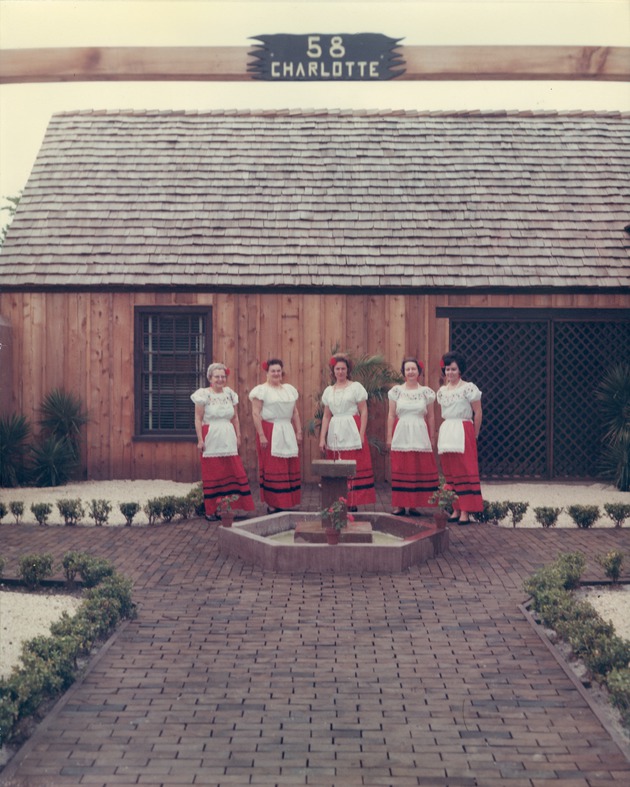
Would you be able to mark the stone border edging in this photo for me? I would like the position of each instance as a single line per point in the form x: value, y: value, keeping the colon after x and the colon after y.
x: 22, y: 753
x: 622, y: 743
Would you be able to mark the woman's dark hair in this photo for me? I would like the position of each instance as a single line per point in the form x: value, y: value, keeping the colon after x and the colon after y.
x: 455, y: 357
x: 411, y: 359
x: 335, y: 359
x: 275, y: 362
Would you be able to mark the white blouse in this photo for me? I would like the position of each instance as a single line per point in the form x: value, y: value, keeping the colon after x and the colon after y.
x: 278, y: 405
x: 343, y: 433
x: 411, y: 433
x: 456, y: 408
x: 218, y: 412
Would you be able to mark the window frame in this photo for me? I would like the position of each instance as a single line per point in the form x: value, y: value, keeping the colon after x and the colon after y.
x: 138, y: 358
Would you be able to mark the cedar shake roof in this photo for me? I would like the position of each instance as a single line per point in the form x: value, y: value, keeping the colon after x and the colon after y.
x: 388, y: 200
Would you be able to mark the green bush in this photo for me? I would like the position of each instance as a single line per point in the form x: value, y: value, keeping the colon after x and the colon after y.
x: 153, y: 509
x: 517, y: 511
x: 606, y: 653
x: 49, y: 664
x: 14, y: 433
x: 612, y: 563
x: 3, y: 511
x: 547, y: 516
x: 53, y: 461
x: 63, y: 418
x: 71, y: 563
x: 169, y: 507
x: 16, y: 507
x: 618, y: 512
x: 613, y: 394
x: 100, y: 510
x: 196, y: 498
x: 129, y: 510
x: 94, y: 569
x: 2, y: 565
x: 34, y: 568
x: 583, y: 516
x: 618, y: 682
x: 185, y: 507
x: 497, y: 511
x: 41, y: 512
x: 72, y: 511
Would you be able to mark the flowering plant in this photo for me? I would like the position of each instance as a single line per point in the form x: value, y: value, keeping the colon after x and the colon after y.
x: 336, y: 515
x: 443, y: 497
x: 224, y: 504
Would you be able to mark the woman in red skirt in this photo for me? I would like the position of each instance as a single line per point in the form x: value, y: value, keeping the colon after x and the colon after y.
x: 410, y: 435
x: 218, y: 439
x: 457, y: 441
x: 278, y: 435
x: 343, y: 433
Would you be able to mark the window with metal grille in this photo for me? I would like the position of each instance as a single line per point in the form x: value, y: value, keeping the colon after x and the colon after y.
x: 172, y: 347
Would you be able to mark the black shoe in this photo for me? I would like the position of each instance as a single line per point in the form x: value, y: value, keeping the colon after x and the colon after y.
x: 353, y: 509
x: 398, y: 511
x: 414, y: 512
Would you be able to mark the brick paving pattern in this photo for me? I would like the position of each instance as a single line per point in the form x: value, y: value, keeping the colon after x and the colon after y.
x: 230, y: 676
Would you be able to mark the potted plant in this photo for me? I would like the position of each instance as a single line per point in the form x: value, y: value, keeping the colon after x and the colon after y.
x: 443, y: 498
x: 225, y: 512
x: 334, y: 519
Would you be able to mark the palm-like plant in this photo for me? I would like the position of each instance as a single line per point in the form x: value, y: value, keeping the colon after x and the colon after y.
x: 613, y: 394
x: 14, y: 432
x: 63, y: 418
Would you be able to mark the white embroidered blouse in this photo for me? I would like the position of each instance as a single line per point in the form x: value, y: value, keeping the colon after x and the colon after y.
x: 411, y: 433
x: 456, y: 408
x: 343, y: 433
x: 278, y: 405
x: 218, y: 412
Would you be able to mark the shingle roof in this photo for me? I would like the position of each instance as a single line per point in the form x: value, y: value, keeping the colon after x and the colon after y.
x: 343, y: 199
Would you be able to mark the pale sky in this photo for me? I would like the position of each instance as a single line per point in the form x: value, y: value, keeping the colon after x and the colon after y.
x: 26, y: 109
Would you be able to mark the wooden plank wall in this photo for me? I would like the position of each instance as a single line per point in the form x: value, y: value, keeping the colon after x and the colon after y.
x: 84, y: 343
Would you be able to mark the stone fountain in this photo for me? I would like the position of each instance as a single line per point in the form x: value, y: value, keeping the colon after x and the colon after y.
x: 295, y: 541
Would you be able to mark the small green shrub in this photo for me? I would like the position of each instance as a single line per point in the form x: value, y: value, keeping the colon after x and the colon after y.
x: 517, y: 511
x: 184, y: 506
x: 547, y: 516
x: 606, y: 653
x: 99, y: 511
x: 612, y: 563
x: 71, y: 563
x: 41, y: 512
x: 3, y: 511
x: 618, y: 512
x: 618, y: 682
x: 2, y: 565
x: 169, y: 507
x: 196, y: 497
x: 94, y: 569
x: 497, y: 511
x: 16, y: 507
x: 34, y: 568
x: 153, y: 509
x: 583, y: 516
x: 72, y: 511
x: 129, y: 510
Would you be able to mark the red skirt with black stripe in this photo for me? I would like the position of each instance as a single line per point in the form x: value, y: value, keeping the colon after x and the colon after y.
x: 280, y: 477
x: 461, y: 473
x: 361, y: 486
x: 221, y: 476
x: 414, y: 478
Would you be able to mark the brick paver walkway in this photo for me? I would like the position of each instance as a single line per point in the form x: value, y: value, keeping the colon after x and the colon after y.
x: 230, y: 676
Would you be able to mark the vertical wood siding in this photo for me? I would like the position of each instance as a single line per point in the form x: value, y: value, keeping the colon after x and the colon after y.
x: 84, y: 343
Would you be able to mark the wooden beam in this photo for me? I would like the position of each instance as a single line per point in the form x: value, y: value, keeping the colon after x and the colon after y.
x: 229, y: 64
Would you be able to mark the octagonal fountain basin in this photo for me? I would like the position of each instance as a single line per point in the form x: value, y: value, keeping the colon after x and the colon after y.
x: 398, y: 543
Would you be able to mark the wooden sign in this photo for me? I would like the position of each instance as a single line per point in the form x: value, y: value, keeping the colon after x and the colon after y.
x: 356, y: 57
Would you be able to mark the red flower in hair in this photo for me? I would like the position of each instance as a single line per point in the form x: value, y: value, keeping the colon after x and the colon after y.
x: 227, y: 372
x: 421, y: 366
x: 265, y: 366
x: 332, y: 361
x: 442, y: 364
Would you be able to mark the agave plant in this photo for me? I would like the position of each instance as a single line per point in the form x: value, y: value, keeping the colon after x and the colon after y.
x: 613, y: 394
x: 14, y: 432
x: 63, y: 418
x: 53, y: 461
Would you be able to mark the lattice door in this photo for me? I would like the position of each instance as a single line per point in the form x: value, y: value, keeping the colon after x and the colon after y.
x: 538, y: 379
x: 507, y: 361
x: 582, y: 352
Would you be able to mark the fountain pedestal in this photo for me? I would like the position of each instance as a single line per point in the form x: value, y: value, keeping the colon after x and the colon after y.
x: 334, y: 474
